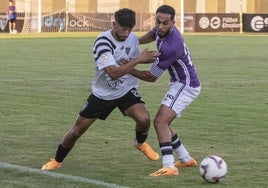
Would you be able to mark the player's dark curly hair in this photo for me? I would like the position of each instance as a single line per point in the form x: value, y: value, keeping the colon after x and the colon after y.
x: 125, y: 17
x: 166, y: 9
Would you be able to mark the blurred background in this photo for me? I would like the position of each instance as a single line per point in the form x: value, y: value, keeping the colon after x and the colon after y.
x: 96, y: 15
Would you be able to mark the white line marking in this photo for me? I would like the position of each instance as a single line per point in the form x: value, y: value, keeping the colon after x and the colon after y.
x: 58, y: 175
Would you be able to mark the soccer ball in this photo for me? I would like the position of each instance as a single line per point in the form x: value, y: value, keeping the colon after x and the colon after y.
x: 213, y: 169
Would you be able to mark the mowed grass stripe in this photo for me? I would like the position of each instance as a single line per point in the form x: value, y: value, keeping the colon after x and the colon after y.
x: 25, y: 169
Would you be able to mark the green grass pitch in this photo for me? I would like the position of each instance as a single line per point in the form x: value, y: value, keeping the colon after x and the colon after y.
x: 45, y: 78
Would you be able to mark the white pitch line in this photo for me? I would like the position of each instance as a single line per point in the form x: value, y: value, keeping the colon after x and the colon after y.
x: 58, y: 175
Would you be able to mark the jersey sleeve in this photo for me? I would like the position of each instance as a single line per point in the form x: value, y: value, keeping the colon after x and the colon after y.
x: 156, y: 70
x: 153, y: 33
x: 106, y: 59
x: 103, y: 51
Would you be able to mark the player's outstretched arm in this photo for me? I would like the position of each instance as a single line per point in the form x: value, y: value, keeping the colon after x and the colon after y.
x: 143, y: 75
x: 115, y: 72
x: 146, y: 38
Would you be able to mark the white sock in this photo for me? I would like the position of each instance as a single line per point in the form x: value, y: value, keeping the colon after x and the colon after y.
x: 168, y: 161
x: 182, y: 153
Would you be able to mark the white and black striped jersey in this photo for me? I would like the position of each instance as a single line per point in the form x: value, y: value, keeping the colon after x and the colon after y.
x: 108, y: 51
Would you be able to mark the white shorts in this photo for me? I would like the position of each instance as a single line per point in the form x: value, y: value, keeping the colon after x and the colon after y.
x: 180, y: 96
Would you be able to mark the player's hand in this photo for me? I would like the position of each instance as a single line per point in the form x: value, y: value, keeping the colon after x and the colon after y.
x: 123, y: 62
x: 148, y: 56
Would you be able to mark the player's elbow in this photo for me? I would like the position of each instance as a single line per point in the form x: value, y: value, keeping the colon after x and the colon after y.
x: 152, y: 79
x: 112, y: 72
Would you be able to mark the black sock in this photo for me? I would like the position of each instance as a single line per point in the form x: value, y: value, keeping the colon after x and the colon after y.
x: 61, y: 153
x: 175, y: 141
x: 141, y: 137
x: 166, y: 148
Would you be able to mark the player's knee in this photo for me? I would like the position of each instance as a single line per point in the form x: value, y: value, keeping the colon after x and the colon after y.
x: 145, y: 121
x: 157, y: 122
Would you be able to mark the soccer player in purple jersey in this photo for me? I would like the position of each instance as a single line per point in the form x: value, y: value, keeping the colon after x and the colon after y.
x: 184, y: 87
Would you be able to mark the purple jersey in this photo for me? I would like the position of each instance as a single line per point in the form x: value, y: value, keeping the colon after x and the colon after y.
x: 13, y: 15
x: 176, y: 58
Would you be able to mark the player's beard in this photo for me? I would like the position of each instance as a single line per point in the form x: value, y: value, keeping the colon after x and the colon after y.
x: 120, y: 38
x: 162, y: 34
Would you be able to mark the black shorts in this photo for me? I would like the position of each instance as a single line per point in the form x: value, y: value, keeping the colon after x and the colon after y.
x: 95, y: 107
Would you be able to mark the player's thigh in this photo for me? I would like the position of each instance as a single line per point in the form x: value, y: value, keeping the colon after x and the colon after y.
x: 164, y: 115
x: 138, y: 111
x: 82, y: 124
x: 133, y: 105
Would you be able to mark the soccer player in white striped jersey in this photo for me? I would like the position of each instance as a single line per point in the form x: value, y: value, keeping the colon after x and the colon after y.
x: 113, y: 87
x: 184, y: 87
